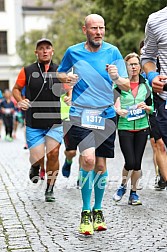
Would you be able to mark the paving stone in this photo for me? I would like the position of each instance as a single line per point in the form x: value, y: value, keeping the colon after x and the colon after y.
x: 29, y: 224
x: 21, y: 250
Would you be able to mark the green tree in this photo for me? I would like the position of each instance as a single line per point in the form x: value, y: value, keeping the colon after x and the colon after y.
x: 125, y: 24
x: 25, y: 46
x: 126, y: 19
x: 64, y: 30
x: 66, y: 27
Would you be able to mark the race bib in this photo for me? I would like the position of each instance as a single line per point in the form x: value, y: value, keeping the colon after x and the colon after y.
x: 91, y: 119
x: 7, y: 111
x: 135, y: 113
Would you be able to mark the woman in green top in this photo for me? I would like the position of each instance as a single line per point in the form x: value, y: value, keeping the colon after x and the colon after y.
x: 133, y: 108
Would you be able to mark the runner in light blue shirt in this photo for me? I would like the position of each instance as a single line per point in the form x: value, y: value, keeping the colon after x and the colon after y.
x: 94, y: 83
x: 95, y: 65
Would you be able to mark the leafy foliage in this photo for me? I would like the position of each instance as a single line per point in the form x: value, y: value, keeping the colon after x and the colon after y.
x: 126, y: 19
x: 25, y: 46
x: 65, y: 30
x: 125, y: 24
x: 66, y: 27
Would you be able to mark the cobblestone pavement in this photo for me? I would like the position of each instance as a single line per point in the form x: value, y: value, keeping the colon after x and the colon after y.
x: 28, y: 223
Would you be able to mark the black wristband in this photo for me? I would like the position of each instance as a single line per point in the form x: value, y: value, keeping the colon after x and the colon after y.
x: 165, y: 87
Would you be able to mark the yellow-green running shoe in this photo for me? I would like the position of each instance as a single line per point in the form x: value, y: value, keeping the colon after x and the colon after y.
x: 134, y: 199
x: 98, y: 221
x: 49, y: 196
x: 86, y: 225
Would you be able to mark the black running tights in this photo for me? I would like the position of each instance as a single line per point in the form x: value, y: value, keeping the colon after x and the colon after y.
x: 132, y: 145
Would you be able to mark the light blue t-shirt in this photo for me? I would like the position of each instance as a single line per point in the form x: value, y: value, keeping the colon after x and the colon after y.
x: 95, y: 87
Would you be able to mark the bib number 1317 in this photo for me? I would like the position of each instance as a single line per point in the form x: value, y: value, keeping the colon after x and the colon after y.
x: 92, y: 119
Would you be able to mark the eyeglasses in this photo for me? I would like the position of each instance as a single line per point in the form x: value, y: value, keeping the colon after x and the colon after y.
x: 133, y: 64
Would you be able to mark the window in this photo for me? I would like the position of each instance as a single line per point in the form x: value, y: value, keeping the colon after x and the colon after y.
x: 4, y: 84
x: 2, y: 5
x: 3, y: 42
